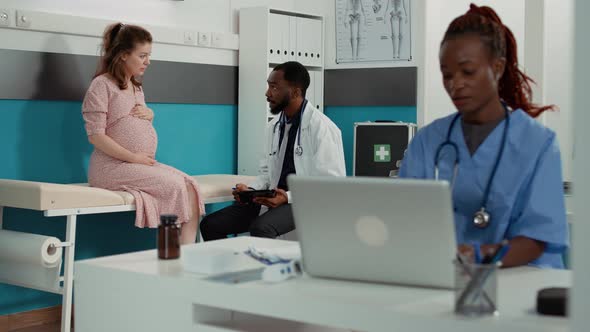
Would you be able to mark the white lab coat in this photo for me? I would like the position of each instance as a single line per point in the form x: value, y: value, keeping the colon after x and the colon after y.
x: 321, y: 141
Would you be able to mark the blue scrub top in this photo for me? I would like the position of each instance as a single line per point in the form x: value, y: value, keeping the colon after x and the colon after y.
x: 526, y: 196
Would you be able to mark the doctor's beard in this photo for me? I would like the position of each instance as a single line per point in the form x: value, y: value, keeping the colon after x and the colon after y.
x: 280, y: 106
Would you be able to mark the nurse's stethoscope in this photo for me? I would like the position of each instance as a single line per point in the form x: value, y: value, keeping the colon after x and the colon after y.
x: 282, y: 121
x: 481, y: 218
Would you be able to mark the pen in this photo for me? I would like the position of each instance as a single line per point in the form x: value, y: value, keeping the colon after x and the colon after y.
x: 465, y: 294
x: 476, y: 253
x: 460, y: 259
x: 498, y: 254
x: 480, y: 278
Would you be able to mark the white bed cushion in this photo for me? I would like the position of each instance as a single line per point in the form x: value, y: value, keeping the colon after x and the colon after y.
x: 48, y: 196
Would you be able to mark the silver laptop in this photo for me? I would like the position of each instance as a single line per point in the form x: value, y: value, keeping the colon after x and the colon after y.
x: 375, y: 229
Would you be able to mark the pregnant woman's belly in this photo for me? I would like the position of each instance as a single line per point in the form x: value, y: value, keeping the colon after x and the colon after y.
x: 134, y: 134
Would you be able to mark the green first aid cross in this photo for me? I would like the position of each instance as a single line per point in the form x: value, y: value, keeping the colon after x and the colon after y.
x: 382, y: 153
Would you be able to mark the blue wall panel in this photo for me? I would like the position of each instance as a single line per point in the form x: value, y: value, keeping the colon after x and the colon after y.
x: 46, y: 141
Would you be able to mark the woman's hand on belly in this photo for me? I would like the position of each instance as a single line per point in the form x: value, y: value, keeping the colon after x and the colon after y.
x: 142, y: 112
x: 143, y: 158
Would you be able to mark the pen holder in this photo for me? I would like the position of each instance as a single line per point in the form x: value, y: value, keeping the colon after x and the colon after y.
x: 475, y: 289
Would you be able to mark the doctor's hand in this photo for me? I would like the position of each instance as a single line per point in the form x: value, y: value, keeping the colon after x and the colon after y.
x: 142, y: 112
x: 279, y: 199
x: 239, y: 187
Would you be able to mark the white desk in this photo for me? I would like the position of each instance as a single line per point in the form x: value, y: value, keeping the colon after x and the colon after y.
x: 137, y: 292
x: 72, y: 200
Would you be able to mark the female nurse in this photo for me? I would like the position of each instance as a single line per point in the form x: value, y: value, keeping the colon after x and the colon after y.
x: 504, y: 167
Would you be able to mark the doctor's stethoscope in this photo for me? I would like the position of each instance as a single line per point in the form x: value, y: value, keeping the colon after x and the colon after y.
x: 481, y: 218
x: 282, y: 121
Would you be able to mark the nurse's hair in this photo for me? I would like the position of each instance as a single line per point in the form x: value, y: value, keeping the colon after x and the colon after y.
x: 514, y: 86
x: 117, y: 40
x: 296, y: 74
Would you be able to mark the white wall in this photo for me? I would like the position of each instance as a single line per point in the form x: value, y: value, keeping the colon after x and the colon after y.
x: 543, y: 31
x: 430, y: 18
x: 276, y: 4
x: 327, y: 8
x: 547, y: 25
x: 190, y: 13
x: 549, y: 57
x: 200, y: 15
x: 581, y: 263
x: 216, y: 15
x: 439, y: 15
x: 558, y: 75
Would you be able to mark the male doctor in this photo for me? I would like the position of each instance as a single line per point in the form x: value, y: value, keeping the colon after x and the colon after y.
x: 300, y: 140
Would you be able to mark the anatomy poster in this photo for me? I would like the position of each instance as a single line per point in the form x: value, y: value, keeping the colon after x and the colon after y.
x: 373, y: 30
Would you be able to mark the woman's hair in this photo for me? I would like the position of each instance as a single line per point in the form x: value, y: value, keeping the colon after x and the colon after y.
x: 119, y: 39
x: 514, y: 86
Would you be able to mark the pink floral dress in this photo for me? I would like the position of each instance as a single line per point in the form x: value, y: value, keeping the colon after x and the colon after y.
x: 158, y: 189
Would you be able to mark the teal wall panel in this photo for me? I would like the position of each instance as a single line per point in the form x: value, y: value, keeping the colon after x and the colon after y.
x: 45, y: 141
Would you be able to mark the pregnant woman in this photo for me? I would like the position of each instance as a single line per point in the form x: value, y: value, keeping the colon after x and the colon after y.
x: 119, y: 125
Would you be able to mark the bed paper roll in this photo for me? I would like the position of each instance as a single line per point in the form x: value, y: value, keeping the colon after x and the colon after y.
x: 31, y: 249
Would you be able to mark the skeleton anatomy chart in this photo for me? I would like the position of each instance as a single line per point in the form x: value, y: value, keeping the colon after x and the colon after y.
x: 373, y: 30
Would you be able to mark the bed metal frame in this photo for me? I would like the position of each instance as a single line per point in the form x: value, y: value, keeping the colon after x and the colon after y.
x: 67, y: 280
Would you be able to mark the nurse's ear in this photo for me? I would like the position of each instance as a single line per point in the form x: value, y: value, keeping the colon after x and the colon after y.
x: 498, y: 66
